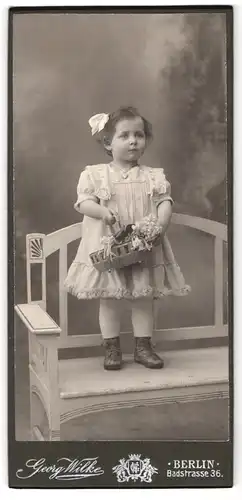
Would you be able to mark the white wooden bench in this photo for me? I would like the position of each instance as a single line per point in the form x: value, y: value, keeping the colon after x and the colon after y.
x: 70, y: 388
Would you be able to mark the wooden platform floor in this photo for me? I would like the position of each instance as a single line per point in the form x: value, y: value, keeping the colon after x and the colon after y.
x: 193, y: 367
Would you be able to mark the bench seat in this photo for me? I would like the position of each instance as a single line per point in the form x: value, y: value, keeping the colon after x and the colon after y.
x: 190, y: 368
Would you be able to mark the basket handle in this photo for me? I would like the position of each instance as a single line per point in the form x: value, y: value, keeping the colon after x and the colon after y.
x: 111, y: 229
x: 115, y: 228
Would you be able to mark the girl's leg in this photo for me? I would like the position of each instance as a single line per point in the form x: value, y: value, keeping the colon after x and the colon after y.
x: 142, y: 317
x: 143, y: 322
x: 109, y: 320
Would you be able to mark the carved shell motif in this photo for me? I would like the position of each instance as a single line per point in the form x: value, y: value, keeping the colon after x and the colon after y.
x: 36, y: 248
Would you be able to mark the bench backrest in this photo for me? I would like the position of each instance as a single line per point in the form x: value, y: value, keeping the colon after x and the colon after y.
x: 40, y: 246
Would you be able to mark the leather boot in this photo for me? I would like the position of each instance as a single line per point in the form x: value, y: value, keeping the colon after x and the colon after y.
x: 113, y: 355
x: 145, y: 354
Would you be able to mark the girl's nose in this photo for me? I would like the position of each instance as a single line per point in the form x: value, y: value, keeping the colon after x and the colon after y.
x: 132, y: 140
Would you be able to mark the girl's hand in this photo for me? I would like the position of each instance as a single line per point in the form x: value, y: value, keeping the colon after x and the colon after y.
x: 108, y: 217
x: 161, y: 227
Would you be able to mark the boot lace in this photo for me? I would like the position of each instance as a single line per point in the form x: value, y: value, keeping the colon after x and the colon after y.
x: 146, y: 348
x: 113, y: 351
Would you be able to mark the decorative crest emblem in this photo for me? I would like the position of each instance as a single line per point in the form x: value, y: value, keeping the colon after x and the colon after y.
x: 134, y: 468
x: 36, y: 248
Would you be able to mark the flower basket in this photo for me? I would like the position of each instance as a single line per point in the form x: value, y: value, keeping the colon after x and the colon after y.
x: 130, y: 245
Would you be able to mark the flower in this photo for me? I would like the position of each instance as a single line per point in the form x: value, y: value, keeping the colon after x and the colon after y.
x: 148, y: 228
x: 98, y: 122
x: 107, y: 242
x: 137, y: 243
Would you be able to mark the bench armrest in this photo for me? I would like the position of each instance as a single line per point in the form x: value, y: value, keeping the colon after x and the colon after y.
x: 37, y: 320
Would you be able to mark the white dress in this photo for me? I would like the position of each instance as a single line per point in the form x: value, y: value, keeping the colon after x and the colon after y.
x: 132, y: 195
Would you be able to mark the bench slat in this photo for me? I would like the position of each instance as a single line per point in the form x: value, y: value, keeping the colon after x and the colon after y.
x: 36, y: 319
x: 54, y: 241
x: 206, y: 225
x: 170, y: 334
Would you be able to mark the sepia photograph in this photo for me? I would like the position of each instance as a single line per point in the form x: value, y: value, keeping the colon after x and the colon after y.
x: 121, y: 210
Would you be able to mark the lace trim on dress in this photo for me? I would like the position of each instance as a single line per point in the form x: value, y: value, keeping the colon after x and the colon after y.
x: 158, y: 182
x: 122, y: 293
x: 100, y: 180
x: 99, y: 176
x: 96, y: 293
x: 88, y: 190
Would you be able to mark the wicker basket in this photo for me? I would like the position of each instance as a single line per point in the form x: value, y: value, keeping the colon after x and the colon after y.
x: 123, y: 255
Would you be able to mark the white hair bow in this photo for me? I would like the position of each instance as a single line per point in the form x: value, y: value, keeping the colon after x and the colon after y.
x: 98, y: 122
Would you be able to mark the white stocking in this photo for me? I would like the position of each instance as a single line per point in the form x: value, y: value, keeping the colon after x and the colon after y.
x: 109, y: 318
x: 142, y: 317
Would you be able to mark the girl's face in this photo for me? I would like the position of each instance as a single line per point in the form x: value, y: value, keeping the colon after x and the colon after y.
x: 129, y: 141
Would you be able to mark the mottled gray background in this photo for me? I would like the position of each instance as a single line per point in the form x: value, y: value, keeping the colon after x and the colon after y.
x: 67, y: 67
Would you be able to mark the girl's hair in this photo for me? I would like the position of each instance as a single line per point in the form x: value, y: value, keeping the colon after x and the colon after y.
x: 123, y: 113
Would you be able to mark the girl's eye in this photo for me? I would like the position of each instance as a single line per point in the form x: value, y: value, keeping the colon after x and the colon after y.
x: 139, y: 134
x: 124, y: 135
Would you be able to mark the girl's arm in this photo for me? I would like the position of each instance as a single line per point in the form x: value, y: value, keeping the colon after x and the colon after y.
x: 165, y: 213
x: 93, y: 209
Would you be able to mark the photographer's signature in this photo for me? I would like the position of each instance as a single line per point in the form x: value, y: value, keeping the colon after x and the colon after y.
x: 65, y: 469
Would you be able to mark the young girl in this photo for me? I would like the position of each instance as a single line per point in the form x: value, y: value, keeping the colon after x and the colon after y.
x: 127, y: 190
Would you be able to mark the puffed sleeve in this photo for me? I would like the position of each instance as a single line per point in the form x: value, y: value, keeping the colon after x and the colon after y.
x: 85, y: 190
x: 161, y: 188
